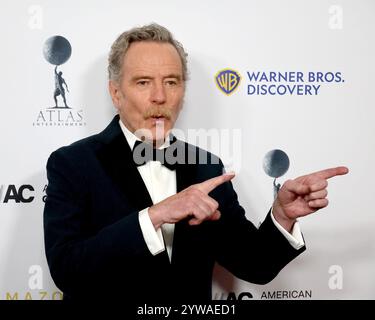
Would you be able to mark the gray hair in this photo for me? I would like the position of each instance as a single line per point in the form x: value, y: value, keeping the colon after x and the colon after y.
x: 151, y: 32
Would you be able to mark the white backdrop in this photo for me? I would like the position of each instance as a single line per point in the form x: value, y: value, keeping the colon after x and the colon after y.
x: 334, y: 127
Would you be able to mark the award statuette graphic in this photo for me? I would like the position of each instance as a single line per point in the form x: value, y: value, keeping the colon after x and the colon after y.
x: 275, y: 165
x: 57, y: 50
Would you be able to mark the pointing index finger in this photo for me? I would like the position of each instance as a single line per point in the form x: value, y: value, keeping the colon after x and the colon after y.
x: 210, y: 184
x: 332, y: 172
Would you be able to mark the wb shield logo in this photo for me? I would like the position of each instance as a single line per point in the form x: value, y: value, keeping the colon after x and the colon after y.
x: 227, y: 80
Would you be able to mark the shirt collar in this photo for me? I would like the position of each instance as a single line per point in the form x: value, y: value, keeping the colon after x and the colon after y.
x: 132, y: 138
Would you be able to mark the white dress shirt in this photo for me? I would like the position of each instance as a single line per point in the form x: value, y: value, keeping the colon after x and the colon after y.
x: 161, y: 184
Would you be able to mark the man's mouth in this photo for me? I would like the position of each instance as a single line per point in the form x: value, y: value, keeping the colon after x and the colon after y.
x: 158, y: 113
x: 159, y: 117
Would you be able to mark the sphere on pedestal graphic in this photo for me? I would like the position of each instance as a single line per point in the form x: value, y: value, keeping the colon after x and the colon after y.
x: 57, y: 50
x: 276, y: 163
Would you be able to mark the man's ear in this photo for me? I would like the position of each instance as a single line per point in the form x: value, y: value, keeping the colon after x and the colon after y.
x: 114, y: 91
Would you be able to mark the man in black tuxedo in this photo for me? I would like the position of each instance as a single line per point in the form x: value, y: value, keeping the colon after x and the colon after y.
x: 119, y: 224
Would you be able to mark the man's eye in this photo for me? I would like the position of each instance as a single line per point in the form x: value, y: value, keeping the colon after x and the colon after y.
x: 142, y: 83
x: 171, y: 82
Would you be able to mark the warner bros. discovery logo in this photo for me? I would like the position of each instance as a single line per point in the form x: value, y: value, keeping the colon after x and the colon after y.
x: 227, y: 80
x: 57, y: 51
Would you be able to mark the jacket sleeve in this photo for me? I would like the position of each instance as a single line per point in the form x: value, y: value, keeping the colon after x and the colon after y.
x: 77, y: 258
x: 252, y: 254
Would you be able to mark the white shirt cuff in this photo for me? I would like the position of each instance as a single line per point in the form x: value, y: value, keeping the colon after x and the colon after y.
x: 295, y: 237
x: 153, y: 238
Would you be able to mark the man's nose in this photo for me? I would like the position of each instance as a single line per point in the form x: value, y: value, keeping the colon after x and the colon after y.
x: 158, y: 95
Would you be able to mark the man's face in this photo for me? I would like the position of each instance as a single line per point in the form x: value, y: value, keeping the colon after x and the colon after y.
x: 150, y: 93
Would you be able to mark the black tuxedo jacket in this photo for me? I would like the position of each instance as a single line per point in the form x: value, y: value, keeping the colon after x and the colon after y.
x: 94, y: 244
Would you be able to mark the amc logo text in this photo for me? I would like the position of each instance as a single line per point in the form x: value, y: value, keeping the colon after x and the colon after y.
x: 12, y: 193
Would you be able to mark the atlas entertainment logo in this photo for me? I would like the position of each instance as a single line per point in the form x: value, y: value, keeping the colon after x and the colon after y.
x: 57, y: 51
x: 227, y: 80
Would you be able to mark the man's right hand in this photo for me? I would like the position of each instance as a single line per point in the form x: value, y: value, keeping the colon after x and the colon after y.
x: 192, y: 201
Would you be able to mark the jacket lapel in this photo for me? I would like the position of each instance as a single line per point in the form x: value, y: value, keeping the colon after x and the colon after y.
x: 117, y: 159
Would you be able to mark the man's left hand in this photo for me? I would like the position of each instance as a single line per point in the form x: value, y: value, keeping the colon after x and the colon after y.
x: 303, y: 195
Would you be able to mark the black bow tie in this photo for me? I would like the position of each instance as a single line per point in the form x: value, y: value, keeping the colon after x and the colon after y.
x: 144, y: 152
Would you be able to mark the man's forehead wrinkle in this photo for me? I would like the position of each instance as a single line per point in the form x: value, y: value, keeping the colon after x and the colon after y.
x: 149, y: 73
x: 160, y: 68
x: 148, y: 66
x: 151, y: 58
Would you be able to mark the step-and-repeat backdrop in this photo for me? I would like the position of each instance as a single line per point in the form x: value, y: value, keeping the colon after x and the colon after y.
x: 291, y: 75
